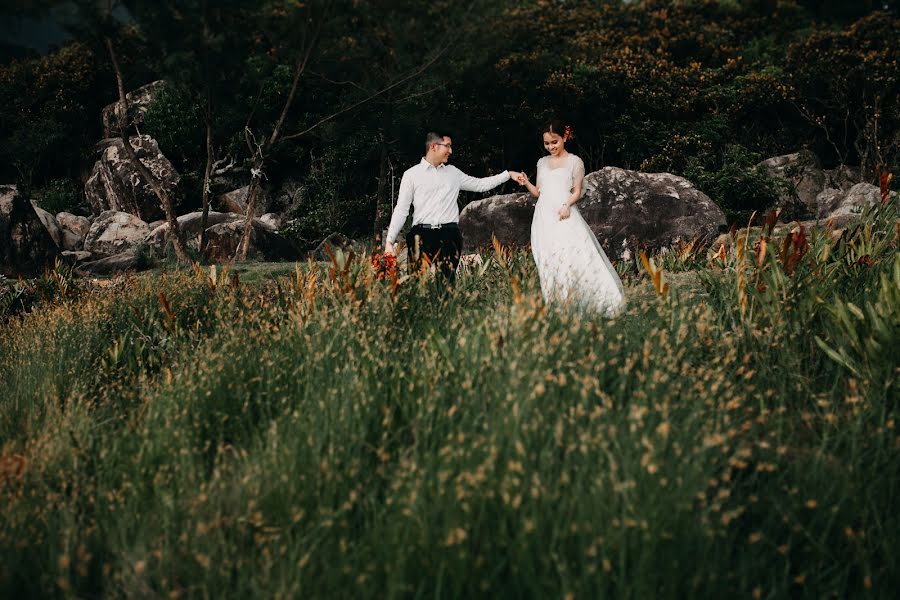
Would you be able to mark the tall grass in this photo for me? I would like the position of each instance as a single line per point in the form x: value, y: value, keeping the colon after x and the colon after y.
x: 330, y: 434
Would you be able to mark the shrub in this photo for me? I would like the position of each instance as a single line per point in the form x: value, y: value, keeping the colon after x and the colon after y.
x: 62, y: 195
x: 175, y: 121
x: 738, y: 185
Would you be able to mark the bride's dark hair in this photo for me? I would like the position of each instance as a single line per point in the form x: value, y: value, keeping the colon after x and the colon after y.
x: 556, y: 126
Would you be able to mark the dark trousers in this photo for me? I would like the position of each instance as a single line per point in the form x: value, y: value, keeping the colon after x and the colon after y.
x: 442, y: 247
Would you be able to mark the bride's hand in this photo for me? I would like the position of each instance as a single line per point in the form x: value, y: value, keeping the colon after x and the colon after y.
x: 564, y: 212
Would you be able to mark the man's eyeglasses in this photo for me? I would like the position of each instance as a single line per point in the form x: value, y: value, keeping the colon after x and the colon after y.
x: 450, y: 146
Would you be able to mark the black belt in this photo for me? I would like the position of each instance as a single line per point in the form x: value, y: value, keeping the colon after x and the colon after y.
x: 438, y: 226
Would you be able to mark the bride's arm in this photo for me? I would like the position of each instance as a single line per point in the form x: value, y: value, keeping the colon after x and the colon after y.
x: 577, y: 182
x: 532, y: 189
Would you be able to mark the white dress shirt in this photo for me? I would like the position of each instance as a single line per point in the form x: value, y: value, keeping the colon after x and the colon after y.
x: 432, y: 191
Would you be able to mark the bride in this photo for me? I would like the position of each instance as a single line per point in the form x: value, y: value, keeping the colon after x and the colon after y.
x: 571, y: 264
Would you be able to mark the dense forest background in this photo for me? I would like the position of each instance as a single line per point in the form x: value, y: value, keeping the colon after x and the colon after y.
x: 703, y: 89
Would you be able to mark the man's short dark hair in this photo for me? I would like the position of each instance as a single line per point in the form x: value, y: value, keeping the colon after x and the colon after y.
x: 434, y: 137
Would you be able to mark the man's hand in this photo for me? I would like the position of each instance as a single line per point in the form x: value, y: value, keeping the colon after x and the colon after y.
x: 389, y: 248
x: 517, y: 176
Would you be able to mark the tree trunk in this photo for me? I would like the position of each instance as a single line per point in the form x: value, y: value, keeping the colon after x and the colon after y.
x: 206, y: 177
x: 260, y: 161
x: 161, y: 194
x: 252, y: 194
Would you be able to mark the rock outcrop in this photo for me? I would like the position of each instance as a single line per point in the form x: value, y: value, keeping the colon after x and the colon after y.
x: 115, y: 184
x: 26, y: 247
x: 114, y: 232
x: 74, y: 229
x: 138, y: 102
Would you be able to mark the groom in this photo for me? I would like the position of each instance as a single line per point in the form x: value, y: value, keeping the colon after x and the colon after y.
x: 431, y: 188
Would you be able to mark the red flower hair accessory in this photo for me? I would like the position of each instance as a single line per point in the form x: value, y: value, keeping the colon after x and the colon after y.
x: 568, y: 134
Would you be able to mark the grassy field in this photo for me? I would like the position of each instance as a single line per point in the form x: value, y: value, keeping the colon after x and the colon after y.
x: 318, y: 432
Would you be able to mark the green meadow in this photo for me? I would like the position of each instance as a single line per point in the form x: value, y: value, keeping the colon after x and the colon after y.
x: 317, y: 431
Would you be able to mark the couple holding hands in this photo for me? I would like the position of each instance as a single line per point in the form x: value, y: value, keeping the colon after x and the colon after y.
x: 571, y: 264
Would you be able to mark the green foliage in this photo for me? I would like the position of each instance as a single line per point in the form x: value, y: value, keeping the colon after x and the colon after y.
x: 62, y: 195
x: 738, y: 185
x: 847, y: 83
x: 696, y: 88
x: 177, y: 124
x: 44, y: 103
x: 58, y: 284
x: 331, y: 200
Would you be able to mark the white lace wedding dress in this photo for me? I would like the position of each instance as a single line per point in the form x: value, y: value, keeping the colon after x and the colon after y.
x: 571, y: 264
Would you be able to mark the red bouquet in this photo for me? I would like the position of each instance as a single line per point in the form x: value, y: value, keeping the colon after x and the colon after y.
x: 385, y: 266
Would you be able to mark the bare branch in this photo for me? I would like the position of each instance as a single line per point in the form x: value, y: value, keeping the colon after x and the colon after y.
x: 300, y: 67
x: 218, y: 169
x: 335, y: 82
x: 421, y: 69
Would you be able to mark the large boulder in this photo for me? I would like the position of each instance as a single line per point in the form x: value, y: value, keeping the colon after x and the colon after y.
x: 114, y: 183
x: 189, y: 225
x: 842, y: 178
x: 74, y: 229
x: 130, y: 260
x: 265, y: 244
x: 272, y: 220
x: 508, y: 217
x: 235, y: 202
x: 50, y: 223
x: 804, y: 179
x: 26, y: 247
x: 75, y: 257
x: 138, y: 102
x: 114, y: 232
x: 837, y: 204
x: 622, y: 207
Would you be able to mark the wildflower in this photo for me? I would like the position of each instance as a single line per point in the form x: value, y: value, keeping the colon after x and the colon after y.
x: 456, y: 536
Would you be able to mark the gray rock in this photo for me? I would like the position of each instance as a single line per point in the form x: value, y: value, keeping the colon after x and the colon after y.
x: 508, y: 217
x: 842, y: 178
x: 126, y: 261
x: 138, y: 102
x: 272, y: 221
x: 265, y: 244
x: 114, y: 183
x: 74, y: 229
x: 50, y: 223
x: 189, y: 225
x: 114, y: 232
x: 77, y: 225
x: 26, y: 247
x: 805, y: 179
x: 235, y: 202
x: 656, y: 210
x: 73, y: 257
x: 835, y: 203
